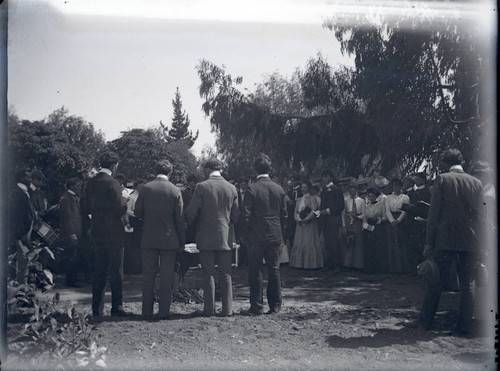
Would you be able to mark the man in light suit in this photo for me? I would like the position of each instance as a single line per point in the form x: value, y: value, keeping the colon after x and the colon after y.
x: 214, y: 206
x: 159, y: 205
x: 105, y: 204
x: 454, y: 226
x: 265, y: 213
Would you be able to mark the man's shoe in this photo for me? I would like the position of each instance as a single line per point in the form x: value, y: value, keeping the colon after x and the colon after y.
x: 416, y: 324
x: 224, y: 314
x: 249, y: 312
x: 120, y: 312
x: 94, y: 320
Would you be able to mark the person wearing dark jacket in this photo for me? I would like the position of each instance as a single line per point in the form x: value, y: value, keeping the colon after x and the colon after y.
x: 266, y: 214
x: 71, y: 227
x: 105, y: 204
x: 21, y: 218
x: 456, y: 216
x: 160, y: 207
x: 332, y: 205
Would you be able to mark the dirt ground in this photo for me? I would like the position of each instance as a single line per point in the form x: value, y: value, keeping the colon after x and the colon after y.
x: 341, y: 321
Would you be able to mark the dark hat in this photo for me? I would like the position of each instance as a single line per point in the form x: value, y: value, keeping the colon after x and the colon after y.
x: 429, y: 270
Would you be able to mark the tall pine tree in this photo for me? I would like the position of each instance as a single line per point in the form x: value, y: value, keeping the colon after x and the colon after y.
x: 180, y: 124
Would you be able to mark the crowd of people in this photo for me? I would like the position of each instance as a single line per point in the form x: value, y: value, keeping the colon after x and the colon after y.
x: 371, y: 224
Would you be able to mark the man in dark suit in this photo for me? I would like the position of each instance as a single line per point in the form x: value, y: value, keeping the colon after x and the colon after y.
x: 71, y: 227
x: 21, y: 218
x: 37, y: 195
x: 417, y: 212
x: 240, y: 228
x: 332, y: 205
x: 265, y: 214
x: 455, y: 219
x: 105, y: 204
x: 215, y: 207
x: 293, y: 194
x: 160, y: 206
x: 187, y: 195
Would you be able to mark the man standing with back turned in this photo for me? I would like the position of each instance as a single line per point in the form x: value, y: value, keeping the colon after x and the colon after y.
x: 453, y: 231
x: 214, y: 206
x: 105, y: 204
x: 160, y: 206
x: 266, y: 213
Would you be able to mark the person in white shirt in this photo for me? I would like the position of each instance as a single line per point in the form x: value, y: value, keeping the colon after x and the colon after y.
x: 352, y: 225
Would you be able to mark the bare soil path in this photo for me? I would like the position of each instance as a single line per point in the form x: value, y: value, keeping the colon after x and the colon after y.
x: 342, y: 321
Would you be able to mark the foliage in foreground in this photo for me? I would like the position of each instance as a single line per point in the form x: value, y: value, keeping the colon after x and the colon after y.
x: 53, y: 333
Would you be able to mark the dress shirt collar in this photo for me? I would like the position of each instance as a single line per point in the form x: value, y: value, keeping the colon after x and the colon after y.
x: 33, y: 187
x: 106, y: 171
x: 457, y: 167
x: 162, y: 176
x: 215, y: 173
x: 329, y: 185
x: 410, y: 189
x: 24, y: 188
x: 421, y: 187
x: 262, y: 176
x: 296, y: 188
x: 73, y: 193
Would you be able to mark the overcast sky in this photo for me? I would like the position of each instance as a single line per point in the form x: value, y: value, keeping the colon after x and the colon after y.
x: 118, y: 63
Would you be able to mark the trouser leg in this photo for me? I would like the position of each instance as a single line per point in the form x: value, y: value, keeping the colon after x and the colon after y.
x: 149, y: 272
x: 466, y: 263
x: 99, y: 279
x: 272, y: 256
x: 224, y: 263
x: 116, y: 276
x: 207, y: 260
x: 167, y: 263
x: 255, y: 278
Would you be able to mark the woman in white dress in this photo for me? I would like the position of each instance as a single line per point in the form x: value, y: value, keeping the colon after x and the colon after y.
x: 307, y: 251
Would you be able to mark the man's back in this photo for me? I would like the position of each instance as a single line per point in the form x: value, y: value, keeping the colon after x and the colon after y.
x: 160, y: 206
x: 266, y: 213
x: 106, y: 206
x: 214, y: 206
x: 455, y: 212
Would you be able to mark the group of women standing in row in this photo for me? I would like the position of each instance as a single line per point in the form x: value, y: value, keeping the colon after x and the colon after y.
x: 381, y: 233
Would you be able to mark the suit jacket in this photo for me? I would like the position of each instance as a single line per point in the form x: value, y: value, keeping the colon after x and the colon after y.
x: 332, y: 198
x: 70, y: 216
x: 160, y: 205
x: 265, y: 212
x: 21, y: 214
x: 214, y: 207
x: 456, y: 212
x: 104, y: 202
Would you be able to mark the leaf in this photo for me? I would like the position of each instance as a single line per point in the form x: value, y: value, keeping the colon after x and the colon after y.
x: 49, y: 275
x: 51, y: 254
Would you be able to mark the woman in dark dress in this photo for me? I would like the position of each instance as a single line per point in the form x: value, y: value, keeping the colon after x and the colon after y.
x: 374, y: 234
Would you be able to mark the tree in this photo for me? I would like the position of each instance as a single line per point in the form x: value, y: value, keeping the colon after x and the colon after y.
x: 423, y: 82
x: 62, y: 146
x: 180, y: 124
x: 141, y: 149
x: 287, y: 120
